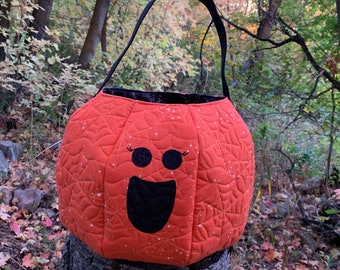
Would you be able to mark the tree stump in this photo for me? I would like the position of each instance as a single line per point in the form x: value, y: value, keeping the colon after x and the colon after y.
x: 78, y: 256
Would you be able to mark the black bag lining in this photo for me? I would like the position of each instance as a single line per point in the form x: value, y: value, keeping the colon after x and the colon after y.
x: 161, y: 97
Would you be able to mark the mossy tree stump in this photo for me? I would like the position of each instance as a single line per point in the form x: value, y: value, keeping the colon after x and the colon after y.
x: 78, y: 256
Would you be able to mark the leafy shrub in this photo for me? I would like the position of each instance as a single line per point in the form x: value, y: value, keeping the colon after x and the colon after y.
x: 34, y: 75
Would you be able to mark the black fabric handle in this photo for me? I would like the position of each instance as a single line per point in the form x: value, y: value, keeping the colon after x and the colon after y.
x: 221, y: 34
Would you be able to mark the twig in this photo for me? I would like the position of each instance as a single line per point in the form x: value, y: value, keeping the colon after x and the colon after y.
x: 303, y: 106
x: 331, y: 136
x: 51, y: 146
x: 249, y: 33
x: 201, y: 53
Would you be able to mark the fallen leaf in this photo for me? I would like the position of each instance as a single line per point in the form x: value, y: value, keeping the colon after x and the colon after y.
x: 267, y: 203
x: 58, y: 254
x: 337, y: 194
x: 281, y: 197
x: 310, y: 263
x: 43, y: 259
x: 4, y: 211
x: 266, y: 246
x: 294, y: 244
x: 29, y: 261
x: 47, y: 222
x: 3, y: 259
x: 59, y: 245
x: 278, y: 255
x: 335, y: 253
x: 301, y: 267
x: 313, y: 263
x: 269, y: 255
x: 14, y: 226
x: 57, y: 236
x: 4, y: 216
x: 55, y: 205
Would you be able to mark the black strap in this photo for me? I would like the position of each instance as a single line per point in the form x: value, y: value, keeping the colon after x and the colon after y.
x: 221, y: 34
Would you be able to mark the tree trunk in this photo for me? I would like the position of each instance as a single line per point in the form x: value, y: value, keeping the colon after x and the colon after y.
x: 94, y: 33
x: 103, y: 40
x: 77, y: 256
x: 41, y: 18
x: 266, y: 24
x: 5, y: 7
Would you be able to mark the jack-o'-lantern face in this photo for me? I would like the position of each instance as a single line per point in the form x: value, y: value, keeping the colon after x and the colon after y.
x: 149, y: 204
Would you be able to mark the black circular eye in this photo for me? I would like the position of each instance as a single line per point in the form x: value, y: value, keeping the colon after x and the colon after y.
x: 141, y: 157
x: 172, y: 159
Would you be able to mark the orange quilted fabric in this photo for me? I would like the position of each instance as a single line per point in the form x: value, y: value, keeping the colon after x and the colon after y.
x: 154, y: 182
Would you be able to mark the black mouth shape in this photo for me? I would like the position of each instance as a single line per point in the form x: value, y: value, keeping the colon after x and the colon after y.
x: 149, y: 204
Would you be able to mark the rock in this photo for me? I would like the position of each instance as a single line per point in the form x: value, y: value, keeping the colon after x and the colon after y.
x: 77, y: 256
x: 3, y: 166
x: 5, y: 195
x: 284, y: 209
x: 50, y: 213
x: 311, y: 185
x: 12, y: 151
x: 28, y: 199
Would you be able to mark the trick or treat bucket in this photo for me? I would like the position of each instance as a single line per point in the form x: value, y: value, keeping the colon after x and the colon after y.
x: 157, y: 177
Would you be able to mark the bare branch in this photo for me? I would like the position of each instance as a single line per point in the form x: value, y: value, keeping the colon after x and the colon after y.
x: 295, y: 37
x: 249, y: 33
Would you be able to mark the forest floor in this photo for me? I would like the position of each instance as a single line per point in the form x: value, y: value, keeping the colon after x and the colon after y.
x: 278, y: 236
x: 285, y: 230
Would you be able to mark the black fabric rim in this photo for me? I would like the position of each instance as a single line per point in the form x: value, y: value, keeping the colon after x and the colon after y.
x: 161, y: 97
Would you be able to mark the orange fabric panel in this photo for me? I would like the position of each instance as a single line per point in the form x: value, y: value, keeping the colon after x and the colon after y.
x: 153, y: 182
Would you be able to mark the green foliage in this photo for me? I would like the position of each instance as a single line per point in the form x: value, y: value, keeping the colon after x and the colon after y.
x: 155, y: 60
x: 166, y: 50
x: 164, y: 55
x: 42, y: 83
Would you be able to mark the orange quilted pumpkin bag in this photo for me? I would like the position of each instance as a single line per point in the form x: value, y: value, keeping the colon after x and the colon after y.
x: 156, y: 177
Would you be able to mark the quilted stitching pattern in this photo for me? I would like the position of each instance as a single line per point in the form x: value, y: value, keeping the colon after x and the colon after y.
x: 214, y: 182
